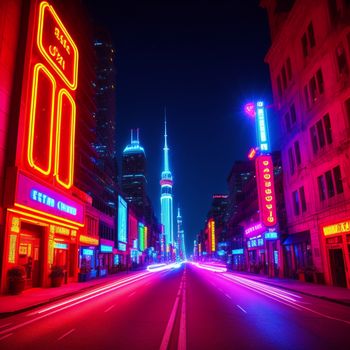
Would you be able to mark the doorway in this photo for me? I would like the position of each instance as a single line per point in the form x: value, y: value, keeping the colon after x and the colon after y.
x: 336, y: 259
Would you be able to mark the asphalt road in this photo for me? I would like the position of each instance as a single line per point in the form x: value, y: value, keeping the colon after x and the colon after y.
x: 184, y: 308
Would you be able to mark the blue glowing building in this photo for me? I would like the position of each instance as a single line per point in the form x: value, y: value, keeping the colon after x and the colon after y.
x: 166, y: 200
x: 181, y: 250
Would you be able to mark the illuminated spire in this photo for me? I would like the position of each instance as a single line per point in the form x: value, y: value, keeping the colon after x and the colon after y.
x: 166, y: 148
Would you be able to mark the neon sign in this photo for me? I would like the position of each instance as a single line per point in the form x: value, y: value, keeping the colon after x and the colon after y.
x: 52, y: 114
x: 59, y: 245
x: 237, y: 251
x: 57, y: 46
x: 88, y: 240
x: 249, y: 109
x: 266, y: 191
x: 106, y: 248
x: 256, y: 242
x: 254, y: 228
x: 262, y: 128
x: 141, y: 236
x: 211, y: 227
x: 38, y: 198
x: 271, y: 235
x: 87, y: 251
x: 122, y: 217
x: 340, y: 227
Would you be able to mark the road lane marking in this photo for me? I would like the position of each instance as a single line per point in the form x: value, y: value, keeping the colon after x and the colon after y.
x: 228, y: 296
x: 5, y: 325
x: 241, y: 308
x: 6, y: 336
x: 110, y: 308
x: 171, y: 321
x: 65, y: 334
x: 288, y: 301
x: 182, y: 333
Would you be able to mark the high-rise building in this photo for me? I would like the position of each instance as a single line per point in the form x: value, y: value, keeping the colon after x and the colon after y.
x: 134, y: 174
x: 181, y: 250
x: 309, y: 61
x: 166, y: 199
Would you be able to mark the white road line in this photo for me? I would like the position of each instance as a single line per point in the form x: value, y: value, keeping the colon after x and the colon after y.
x: 6, y: 336
x: 182, y: 333
x: 65, y: 334
x: 171, y: 321
x: 228, y: 296
x: 110, y: 308
x: 241, y: 308
x: 131, y: 294
x: 5, y: 325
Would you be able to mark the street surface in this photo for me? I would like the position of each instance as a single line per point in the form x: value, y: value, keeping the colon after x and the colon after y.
x: 183, y: 308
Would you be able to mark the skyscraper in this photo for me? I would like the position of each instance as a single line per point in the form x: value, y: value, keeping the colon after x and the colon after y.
x: 134, y: 173
x: 166, y: 199
x: 181, y: 251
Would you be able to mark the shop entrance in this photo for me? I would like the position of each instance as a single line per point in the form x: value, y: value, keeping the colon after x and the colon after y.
x: 336, y: 259
x: 29, y: 253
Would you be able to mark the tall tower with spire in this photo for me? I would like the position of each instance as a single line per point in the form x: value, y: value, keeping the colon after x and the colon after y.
x: 166, y: 198
x: 181, y: 253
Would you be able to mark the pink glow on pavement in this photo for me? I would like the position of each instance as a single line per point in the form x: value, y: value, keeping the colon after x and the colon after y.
x: 211, y: 267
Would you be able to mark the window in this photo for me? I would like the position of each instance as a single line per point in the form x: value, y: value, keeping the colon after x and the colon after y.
x: 338, y: 180
x: 302, y: 199
x: 289, y: 69
x: 311, y: 35
x: 341, y: 60
x: 297, y: 152
x: 284, y: 77
x: 304, y: 45
x: 279, y: 86
x: 320, y: 133
x: 313, y: 89
x: 293, y: 115
x: 296, y: 203
x: 287, y: 121
x: 321, y: 187
x: 313, y: 136
x: 328, y: 129
x: 330, y: 184
x: 308, y: 40
x: 347, y: 109
x: 320, y: 83
x: 291, y: 161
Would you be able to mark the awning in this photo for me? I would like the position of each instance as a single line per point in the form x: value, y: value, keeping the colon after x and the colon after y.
x: 298, y: 237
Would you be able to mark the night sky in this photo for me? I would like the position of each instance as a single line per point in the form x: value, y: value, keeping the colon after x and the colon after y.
x: 202, y: 60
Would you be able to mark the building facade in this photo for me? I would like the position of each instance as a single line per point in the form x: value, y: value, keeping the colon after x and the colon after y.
x: 309, y: 62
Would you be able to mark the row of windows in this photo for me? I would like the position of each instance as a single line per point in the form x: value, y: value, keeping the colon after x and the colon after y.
x: 329, y: 184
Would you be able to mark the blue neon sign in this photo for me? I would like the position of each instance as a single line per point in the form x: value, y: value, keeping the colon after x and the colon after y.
x: 88, y: 251
x: 262, y: 127
x: 106, y: 248
x: 271, y: 235
x: 237, y: 251
x: 61, y: 245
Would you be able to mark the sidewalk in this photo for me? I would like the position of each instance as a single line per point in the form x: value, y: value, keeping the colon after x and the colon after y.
x: 330, y: 293
x: 34, y: 297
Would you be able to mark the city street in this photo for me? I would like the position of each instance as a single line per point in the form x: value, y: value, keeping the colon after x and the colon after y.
x: 181, y: 308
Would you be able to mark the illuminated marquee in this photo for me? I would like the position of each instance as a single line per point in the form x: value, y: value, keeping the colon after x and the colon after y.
x: 122, y: 223
x: 340, y: 227
x: 52, y: 113
x: 256, y: 228
x: 88, y: 240
x: 262, y: 128
x: 265, y: 181
x: 41, y: 199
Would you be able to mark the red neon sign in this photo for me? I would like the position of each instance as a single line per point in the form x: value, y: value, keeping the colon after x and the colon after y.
x: 56, y: 45
x: 266, y: 189
x: 52, y: 114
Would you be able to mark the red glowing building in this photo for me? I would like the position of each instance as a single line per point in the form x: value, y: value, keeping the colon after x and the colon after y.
x: 309, y: 62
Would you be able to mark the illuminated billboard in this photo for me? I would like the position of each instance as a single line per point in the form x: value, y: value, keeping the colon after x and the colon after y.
x: 266, y: 190
x: 141, y: 236
x: 122, y: 223
x: 211, y: 234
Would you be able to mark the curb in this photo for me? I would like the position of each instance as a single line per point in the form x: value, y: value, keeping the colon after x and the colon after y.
x: 51, y: 300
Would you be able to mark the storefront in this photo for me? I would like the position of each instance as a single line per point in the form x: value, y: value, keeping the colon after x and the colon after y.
x: 87, y: 257
x: 42, y: 231
x: 105, y: 261
x: 336, y: 245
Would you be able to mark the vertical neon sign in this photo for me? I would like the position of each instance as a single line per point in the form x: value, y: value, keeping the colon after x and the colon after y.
x: 262, y: 127
x: 52, y: 114
x: 266, y: 192
x: 122, y: 217
x: 211, y: 234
